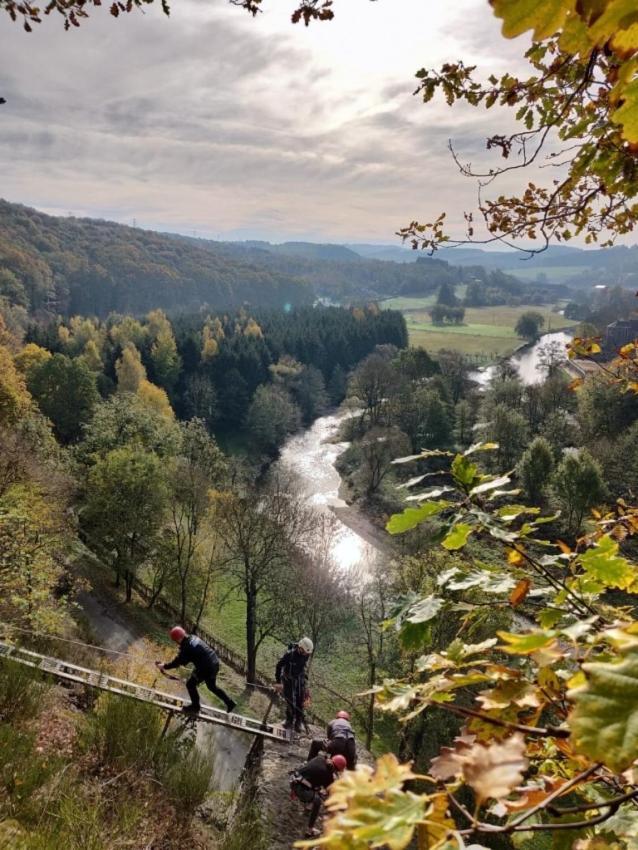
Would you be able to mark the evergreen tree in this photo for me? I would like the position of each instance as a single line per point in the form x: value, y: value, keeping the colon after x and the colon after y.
x: 535, y: 468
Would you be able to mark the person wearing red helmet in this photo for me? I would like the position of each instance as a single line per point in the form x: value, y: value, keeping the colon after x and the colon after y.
x: 311, y: 781
x: 193, y: 650
x: 340, y: 740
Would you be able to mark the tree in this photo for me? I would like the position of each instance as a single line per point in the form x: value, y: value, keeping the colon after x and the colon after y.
x: 272, y: 415
x: 154, y: 398
x: 552, y: 356
x: 446, y: 295
x: 30, y: 357
x: 198, y: 468
x: 66, y: 393
x: 124, y: 511
x: 125, y: 421
x: 200, y: 400
x: 165, y: 360
x: 130, y: 370
x: 313, y: 594
x: 578, y: 486
x: 377, y: 449
x: 260, y: 530
x: 508, y: 429
x: 535, y: 468
x: 529, y: 324
x: 463, y: 423
x: 337, y: 385
x: 32, y: 574
x: 372, y: 604
x: 371, y: 383
x: 14, y: 397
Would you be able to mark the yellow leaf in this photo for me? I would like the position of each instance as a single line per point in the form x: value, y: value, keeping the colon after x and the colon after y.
x: 514, y: 557
x: 543, y: 17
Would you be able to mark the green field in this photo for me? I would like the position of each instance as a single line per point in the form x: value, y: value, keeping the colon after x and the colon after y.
x: 554, y: 274
x: 487, y: 331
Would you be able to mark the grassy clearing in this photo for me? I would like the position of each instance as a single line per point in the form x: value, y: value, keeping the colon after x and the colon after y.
x: 486, y: 330
x: 554, y: 274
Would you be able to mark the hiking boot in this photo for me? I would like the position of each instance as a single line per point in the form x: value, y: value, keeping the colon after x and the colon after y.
x: 190, y: 709
x: 231, y: 706
x: 298, y: 726
x: 287, y: 724
x: 313, y: 833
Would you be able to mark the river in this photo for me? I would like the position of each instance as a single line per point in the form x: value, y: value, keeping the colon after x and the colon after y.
x: 527, y: 360
x: 312, y: 455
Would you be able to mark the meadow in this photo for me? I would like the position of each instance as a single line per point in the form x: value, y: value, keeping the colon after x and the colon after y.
x: 486, y: 331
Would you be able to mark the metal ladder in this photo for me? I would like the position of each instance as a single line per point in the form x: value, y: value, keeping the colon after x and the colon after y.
x: 121, y: 687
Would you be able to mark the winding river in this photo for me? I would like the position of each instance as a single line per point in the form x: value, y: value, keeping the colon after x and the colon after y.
x: 527, y: 360
x: 312, y: 455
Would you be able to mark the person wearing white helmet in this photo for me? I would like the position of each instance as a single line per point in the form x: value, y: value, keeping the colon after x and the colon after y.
x: 290, y: 675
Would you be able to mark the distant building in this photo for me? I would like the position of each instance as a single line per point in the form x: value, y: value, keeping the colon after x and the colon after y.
x: 620, y: 333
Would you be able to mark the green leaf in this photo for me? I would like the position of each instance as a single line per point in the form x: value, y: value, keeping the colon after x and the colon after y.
x: 525, y: 644
x: 603, y: 564
x: 411, y: 517
x: 465, y: 473
x: 457, y: 538
x: 510, y: 512
x: 604, y: 722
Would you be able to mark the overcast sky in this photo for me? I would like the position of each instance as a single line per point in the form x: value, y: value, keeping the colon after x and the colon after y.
x: 213, y: 122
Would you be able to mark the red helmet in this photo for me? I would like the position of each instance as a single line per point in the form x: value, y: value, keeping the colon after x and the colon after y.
x: 342, y: 715
x: 177, y: 634
x: 339, y: 763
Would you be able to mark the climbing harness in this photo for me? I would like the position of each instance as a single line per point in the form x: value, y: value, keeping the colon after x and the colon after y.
x: 167, y: 702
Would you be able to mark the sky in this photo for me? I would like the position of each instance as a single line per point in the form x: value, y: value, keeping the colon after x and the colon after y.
x: 214, y: 123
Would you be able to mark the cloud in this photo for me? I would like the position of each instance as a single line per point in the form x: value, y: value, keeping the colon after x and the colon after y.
x: 213, y: 122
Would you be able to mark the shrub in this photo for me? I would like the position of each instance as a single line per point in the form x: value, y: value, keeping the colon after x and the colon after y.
x: 23, y: 773
x: 21, y: 691
x: 124, y: 733
x: 187, y: 781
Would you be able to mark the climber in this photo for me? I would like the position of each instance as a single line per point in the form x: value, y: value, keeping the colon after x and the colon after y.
x: 290, y: 675
x: 310, y: 783
x: 193, y: 650
x: 340, y: 739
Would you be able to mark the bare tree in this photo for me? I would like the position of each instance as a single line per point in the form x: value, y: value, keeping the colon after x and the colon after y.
x: 199, y: 465
x: 313, y: 595
x: 372, y: 602
x: 260, y: 530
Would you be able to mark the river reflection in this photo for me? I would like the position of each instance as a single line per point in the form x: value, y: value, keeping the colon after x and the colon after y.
x: 312, y: 455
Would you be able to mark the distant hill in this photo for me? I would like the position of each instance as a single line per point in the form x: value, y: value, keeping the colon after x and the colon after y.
x: 94, y: 267
x: 88, y: 266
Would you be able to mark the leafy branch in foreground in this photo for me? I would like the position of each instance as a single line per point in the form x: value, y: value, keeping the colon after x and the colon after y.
x: 579, y: 108
x: 550, y: 708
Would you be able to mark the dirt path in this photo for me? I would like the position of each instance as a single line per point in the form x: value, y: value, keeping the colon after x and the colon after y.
x: 228, y: 749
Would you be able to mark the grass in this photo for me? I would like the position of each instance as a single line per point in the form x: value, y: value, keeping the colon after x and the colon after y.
x: 486, y: 330
x: 555, y: 274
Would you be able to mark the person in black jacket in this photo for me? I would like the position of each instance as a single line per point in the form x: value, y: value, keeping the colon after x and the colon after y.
x: 290, y: 675
x: 310, y: 782
x: 340, y: 739
x: 193, y: 650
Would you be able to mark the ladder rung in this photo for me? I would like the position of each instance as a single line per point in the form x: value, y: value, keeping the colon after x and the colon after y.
x: 122, y: 687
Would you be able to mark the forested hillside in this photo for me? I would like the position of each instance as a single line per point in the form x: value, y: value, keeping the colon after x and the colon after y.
x: 72, y: 266
x: 90, y: 267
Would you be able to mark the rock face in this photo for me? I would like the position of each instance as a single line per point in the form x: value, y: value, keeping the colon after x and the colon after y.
x: 267, y: 782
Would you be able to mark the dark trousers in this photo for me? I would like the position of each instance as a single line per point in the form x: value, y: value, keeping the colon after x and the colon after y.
x: 294, y: 696
x: 210, y: 680
x: 345, y: 747
x: 306, y: 794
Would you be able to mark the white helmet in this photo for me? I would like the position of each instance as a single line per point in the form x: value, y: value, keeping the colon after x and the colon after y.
x: 306, y: 644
